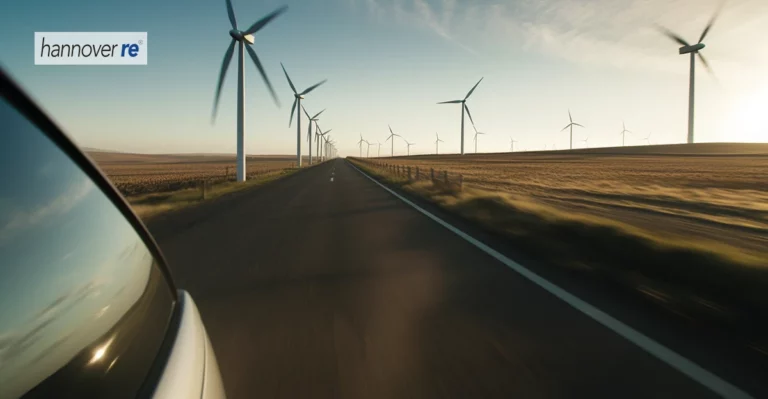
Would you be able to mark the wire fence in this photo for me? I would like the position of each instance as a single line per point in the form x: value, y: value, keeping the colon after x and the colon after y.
x: 415, y: 173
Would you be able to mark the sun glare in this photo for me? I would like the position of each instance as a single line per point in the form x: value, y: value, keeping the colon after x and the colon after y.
x: 748, y: 120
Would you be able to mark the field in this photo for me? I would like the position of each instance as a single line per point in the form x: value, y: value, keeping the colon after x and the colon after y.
x: 714, y: 191
x: 138, y: 174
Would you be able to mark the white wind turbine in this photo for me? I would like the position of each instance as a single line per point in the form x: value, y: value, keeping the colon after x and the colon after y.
x: 296, y: 104
x: 309, y: 129
x: 409, y: 146
x: 464, y: 107
x: 585, y: 142
x: 437, y: 143
x: 693, y: 50
x: 571, y: 125
x: 378, y: 154
x: 368, y: 149
x: 476, y: 134
x: 623, y: 133
x: 321, y: 137
x: 360, y: 144
x: 241, y: 38
x: 648, y: 138
x: 392, y: 137
x: 512, y: 144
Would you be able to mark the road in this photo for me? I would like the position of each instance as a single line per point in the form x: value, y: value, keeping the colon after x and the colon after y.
x: 337, y: 289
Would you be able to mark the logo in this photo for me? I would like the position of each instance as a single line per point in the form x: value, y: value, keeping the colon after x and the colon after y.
x: 90, y: 48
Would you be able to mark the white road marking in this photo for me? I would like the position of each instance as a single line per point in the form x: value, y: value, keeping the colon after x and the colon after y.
x: 661, y: 352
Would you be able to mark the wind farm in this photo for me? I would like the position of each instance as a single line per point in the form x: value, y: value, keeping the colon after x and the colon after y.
x: 518, y: 267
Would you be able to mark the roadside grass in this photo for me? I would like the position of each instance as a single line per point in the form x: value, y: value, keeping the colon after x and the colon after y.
x: 692, y: 277
x: 148, y: 206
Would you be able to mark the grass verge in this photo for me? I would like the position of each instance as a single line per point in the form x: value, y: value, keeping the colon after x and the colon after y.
x: 700, y: 280
x: 150, y: 205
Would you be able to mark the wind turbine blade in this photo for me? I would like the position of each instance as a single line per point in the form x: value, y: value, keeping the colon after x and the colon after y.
x: 390, y: 129
x: 706, y: 64
x: 576, y: 124
x: 569, y: 116
x: 711, y: 22
x: 327, y: 131
x: 672, y: 35
x: 264, y: 77
x: 452, y: 102
x: 231, y: 14
x: 289, y: 79
x: 317, y: 114
x: 312, y: 88
x: 262, y: 22
x: 469, y: 114
x: 293, y: 108
x: 473, y: 89
x: 222, y: 74
x: 569, y: 125
x: 305, y: 112
x: 387, y: 139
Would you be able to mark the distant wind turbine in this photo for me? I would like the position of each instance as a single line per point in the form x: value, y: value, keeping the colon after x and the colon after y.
x: 296, y: 104
x: 437, y: 143
x: 476, y: 134
x: 623, y: 133
x: 464, y: 107
x: 571, y: 125
x: 322, y: 137
x: 360, y: 144
x: 392, y: 137
x: 409, y: 146
x: 648, y: 138
x: 309, y: 129
x: 512, y: 144
x: 693, y: 50
x: 378, y: 155
x: 368, y: 150
x: 241, y: 38
x: 585, y: 142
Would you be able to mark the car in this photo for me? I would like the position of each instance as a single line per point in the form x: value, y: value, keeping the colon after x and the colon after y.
x: 88, y: 306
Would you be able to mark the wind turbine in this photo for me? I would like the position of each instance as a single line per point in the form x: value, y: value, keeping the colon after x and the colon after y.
x: 322, y: 136
x: 241, y: 38
x: 309, y: 129
x: 378, y: 154
x: 464, y: 107
x: 297, y: 103
x: 623, y: 133
x: 571, y: 125
x: 585, y: 142
x: 693, y: 50
x: 476, y: 134
x: 368, y: 150
x: 409, y: 146
x: 512, y: 144
x: 360, y: 144
x: 648, y: 138
x: 392, y: 136
x: 437, y: 143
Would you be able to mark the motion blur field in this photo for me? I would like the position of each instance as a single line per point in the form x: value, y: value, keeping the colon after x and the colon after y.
x: 712, y: 191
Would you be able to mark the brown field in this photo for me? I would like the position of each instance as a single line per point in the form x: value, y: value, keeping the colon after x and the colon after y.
x: 137, y: 174
x: 718, y: 192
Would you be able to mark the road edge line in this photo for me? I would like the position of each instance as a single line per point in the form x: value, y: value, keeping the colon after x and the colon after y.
x: 657, y: 350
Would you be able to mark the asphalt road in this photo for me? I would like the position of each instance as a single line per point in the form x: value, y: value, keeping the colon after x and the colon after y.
x: 312, y: 288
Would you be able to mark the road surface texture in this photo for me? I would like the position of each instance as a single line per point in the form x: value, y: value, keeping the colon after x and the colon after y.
x: 312, y: 288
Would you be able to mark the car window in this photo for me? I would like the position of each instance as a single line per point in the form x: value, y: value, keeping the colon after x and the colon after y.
x: 84, y: 307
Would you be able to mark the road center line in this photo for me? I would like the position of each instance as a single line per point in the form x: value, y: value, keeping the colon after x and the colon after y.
x: 661, y: 352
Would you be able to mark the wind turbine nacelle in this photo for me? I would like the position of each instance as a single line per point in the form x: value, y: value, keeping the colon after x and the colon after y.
x: 691, y: 49
x: 238, y: 35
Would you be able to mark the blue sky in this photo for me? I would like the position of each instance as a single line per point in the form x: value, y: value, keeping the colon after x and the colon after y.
x: 390, y: 61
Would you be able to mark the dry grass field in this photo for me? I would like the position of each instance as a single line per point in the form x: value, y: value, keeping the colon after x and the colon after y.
x: 713, y: 191
x: 138, y: 174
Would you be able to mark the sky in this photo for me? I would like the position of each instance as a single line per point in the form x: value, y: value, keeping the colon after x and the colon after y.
x: 388, y: 62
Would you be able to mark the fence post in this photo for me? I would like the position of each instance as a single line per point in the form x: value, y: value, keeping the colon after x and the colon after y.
x: 203, y: 189
x: 226, y: 174
x: 417, y: 173
x: 461, y: 182
x: 432, y: 174
x: 409, y: 173
x: 445, y: 176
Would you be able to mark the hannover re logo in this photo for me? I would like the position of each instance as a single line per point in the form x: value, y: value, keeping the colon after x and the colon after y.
x: 90, y: 48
